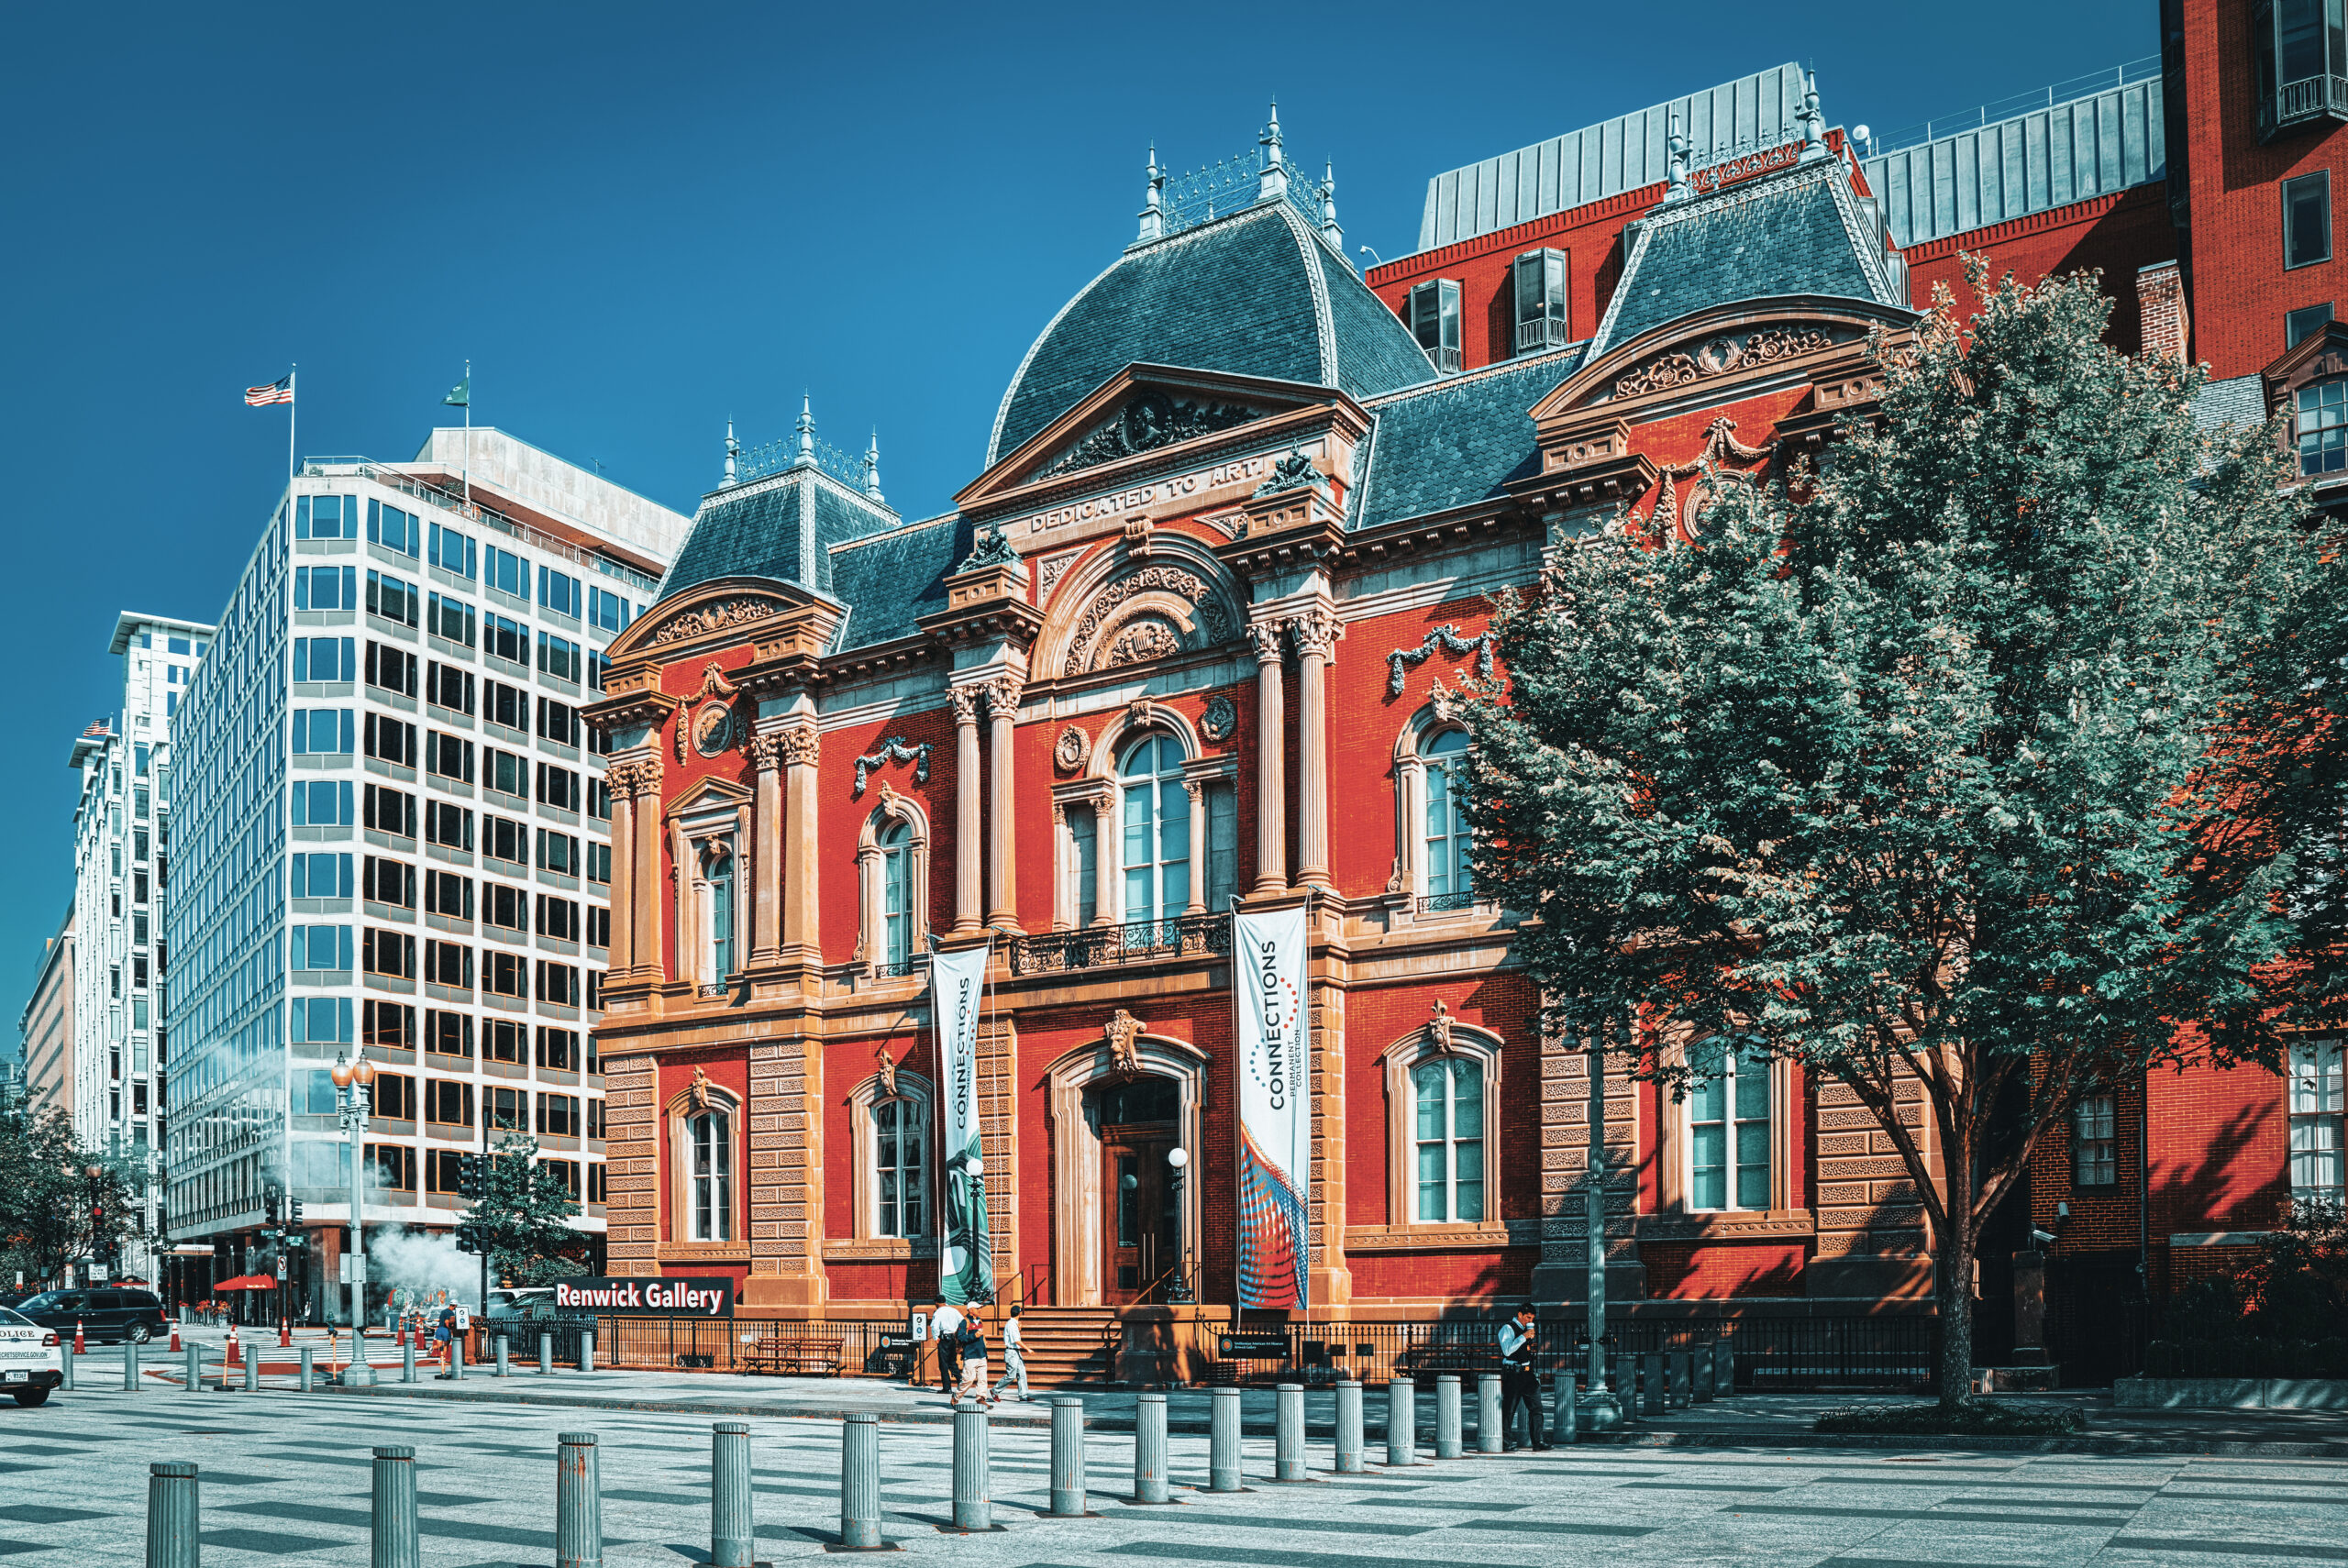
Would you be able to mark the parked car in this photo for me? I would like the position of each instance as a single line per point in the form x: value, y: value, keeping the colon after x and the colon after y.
x: 32, y: 1359
x: 105, y: 1314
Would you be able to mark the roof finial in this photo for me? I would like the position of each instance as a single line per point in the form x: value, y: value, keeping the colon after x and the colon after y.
x: 1813, y: 124
x: 1330, y: 231
x: 1677, y: 143
x: 872, y: 468
x: 1153, y: 211
x: 1272, y: 183
x: 733, y: 450
x: 806, y: 431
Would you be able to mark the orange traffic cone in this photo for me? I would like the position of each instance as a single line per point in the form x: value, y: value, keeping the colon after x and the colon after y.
x: 78, y: 1347
x: 233, y: 1360
x: 176, y: 1339
x: 284, y: 1332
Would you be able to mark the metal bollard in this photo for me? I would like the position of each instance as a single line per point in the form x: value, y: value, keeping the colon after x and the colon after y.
x: 308, y: 1352
x: 252, y: 1372
x: 1401, y: 1422
x: 502, y: 1368
x: 1683, y: 1379
x: 66, y: 1358
x: 1491, y: 1433
x: 1067, y: 1457
x: 130, y: 1366
x: 1288, y: 1439
x: 456, y: 1359
x: 1723, y: 1368
x: 1446, y: 1417
x: 859, y: 1483
x: 1627, y: 1384
x: 587, y: 1350
x: 407, y: 1361
x: 1150, y: 1483
x: 1349, y: 1428
x: 395, y: 1509
x: 1651, y: 1384
x: 1703, y: 1359
x: 1223, y: 1440
x: 972, y: 1507
x: 1561, y: 1390
x: 193, y: 1373
x: 731, y: 1532
x: 545, y: 1355
x: 578, y: 1502
x: 173, y: 1516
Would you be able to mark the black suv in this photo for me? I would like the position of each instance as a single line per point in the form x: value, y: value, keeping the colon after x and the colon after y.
x: 103, y: 1313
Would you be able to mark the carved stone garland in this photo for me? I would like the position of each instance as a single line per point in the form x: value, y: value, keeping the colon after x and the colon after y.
x: 1105, y: 604
x: 1447, y: 638
x: 893, y: 749
x: 714, y: 617
x: 1720, y: 445
x: 1221, y: 720
x: 1719, y: 356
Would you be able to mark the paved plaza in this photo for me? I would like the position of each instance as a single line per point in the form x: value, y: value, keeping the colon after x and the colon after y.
x: 285, y: 1474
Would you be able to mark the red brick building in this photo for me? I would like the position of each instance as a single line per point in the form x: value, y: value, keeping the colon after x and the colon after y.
x: 1183, y: 645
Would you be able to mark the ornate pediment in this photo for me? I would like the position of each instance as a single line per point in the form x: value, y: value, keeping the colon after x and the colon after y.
x: 1718, y: 349
x: 1148, y: 420
x: 1723, y: 354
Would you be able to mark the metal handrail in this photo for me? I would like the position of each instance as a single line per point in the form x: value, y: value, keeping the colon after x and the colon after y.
x: 2105, y: 80
x: 475, y: 512
x: 1181, y: 937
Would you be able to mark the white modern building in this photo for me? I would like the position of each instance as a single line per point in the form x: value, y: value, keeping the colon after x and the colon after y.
x: 393, y: 840
x: 121, y: 855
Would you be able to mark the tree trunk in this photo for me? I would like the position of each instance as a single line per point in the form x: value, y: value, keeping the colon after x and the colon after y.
x: 1954, y: 1272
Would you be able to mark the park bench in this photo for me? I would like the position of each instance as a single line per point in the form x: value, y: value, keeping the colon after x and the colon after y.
x: 792, y: 1352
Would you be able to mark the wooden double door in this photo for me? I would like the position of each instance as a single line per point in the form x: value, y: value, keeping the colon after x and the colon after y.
x: 1141, y: 1221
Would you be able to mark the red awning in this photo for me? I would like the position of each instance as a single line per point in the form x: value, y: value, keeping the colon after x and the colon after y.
x: 248, y: 1281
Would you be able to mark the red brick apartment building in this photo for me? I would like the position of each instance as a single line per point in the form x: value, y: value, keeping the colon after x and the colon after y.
x: 1182, y: 645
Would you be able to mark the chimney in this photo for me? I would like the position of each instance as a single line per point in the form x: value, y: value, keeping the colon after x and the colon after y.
x: 2163, y: 329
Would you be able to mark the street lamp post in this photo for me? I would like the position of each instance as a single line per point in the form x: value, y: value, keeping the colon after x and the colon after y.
x: 1177, y: 1159
x: 354, y: 1084
x: 90, y: 1174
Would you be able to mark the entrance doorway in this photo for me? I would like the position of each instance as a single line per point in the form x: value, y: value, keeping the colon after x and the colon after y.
x: 1137, y: 1121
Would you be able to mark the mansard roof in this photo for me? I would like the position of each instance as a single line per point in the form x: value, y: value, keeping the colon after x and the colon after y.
x: 1257, y: 294
x: 781, y: 528
x: 1798, y: 233
x: 890, y: 580
x: 1439, y: 448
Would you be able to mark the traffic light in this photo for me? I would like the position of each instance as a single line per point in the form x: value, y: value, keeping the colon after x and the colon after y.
x: 469, y: 1178
x: 469, y: 1239
x: 293, y: 1212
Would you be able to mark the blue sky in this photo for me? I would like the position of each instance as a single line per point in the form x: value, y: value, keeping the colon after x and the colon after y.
x: 638, y: 220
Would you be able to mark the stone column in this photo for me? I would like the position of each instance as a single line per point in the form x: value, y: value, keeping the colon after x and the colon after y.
x: 966, y: 811
x: 1410, y: 811
x: 1271, y: 789
x: 1198, y: 790
x: 766, y: 873
x: 1063, y: 866
x: 1002, y: 711
x: 1108, y: 903
x: 620, y: 783
x: 1316, y: 639
x: 644, y: 917
x: 802, y: 747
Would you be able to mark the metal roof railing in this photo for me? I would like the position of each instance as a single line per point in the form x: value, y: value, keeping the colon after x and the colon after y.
x: 393, y: 477
x: 2124, y: 75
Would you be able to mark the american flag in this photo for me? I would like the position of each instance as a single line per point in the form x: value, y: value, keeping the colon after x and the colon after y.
x: 278, y: 391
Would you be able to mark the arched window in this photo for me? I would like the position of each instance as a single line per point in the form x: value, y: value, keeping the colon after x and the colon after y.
x: 1157, y: 830
x: 709, y: 1176
x: 1447, y: 841
x: 899, y: 1167
x: 720, y: 878
x: 1728, y: 1127
x: 1447, y: 1122
x: 897, y: 898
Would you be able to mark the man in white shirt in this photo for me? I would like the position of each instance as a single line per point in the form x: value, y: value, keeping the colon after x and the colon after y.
x: 943, y: 1324
x: 1013, y: 1366
x: 1519, y: 1384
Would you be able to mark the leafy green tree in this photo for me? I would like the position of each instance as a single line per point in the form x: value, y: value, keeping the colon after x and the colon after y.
x: 48, y: 1197
x: 521, y: 1217
x: 1937, y: 771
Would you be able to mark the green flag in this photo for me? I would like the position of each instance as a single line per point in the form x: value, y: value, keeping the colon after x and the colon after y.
x: 461, y: 395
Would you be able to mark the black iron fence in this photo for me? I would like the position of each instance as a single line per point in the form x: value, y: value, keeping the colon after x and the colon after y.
x: 1773, y: 1354
x: 1182, y: 937
x: 868, y: 1347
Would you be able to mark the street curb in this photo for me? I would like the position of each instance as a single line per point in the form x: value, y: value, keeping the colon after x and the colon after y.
x: 1323, y: 1431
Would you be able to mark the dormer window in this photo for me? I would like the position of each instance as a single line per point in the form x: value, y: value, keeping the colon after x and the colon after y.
x: 1540, y: 301
x: 1435, y: 321
x: 2301, y: 47
x: 2319, y: 421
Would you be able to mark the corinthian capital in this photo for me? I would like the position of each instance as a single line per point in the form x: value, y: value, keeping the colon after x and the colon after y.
x: 1002, y: 696
x: 765, y: 752
x: 966, y: 704
x: 1267, y: 636
x: 801, y: 746
x: 1316, y: 633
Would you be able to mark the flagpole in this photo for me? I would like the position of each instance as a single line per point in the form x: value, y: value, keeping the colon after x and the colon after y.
x: 469, y: 432
x: 293, y: 408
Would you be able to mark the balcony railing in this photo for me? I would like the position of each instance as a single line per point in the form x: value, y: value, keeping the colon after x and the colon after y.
x: 1548, y: 332
x: 1445, y: 359
x: 2299, y: 103
x: 1442, y: 903
x: 1185, y: 936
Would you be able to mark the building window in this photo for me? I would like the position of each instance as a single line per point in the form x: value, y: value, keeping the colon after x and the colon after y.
x: 2316, y: 1106
x: 2095, y: 1142
x: 719, y: 877
x: 709, y: 1176
x: 900, y: 1168
x: 2305, y: 323
x: 1448, y: 843
x: 2301, y: 48
x: 2319, y: 420
x: 2306, y: 219
x: 1728, y: 1126
x: 1156, y: 848
x: 1447, y: 1139
x: 1435, y: 321
x: 1540, y: 278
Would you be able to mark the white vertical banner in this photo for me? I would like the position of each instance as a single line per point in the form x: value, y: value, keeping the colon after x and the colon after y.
x: 1275, y: 1109
x: 957, y: 988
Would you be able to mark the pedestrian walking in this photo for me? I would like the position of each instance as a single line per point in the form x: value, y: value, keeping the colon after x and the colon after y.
x: 1520, y: 1386
x: 444, y: 1336
x: 1014, y: 1365
x: 945, y: 1323
x: 970, y: 1349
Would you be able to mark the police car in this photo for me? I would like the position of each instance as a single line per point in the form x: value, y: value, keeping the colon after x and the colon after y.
x: 31, y: 1361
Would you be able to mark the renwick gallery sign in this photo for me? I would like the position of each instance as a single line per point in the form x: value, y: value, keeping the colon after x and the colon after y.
x: 705, y: 1297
